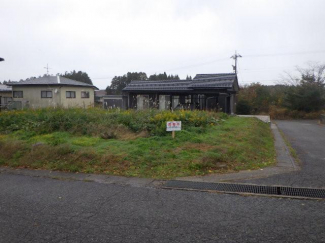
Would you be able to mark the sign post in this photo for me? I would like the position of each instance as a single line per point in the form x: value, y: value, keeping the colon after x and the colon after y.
x: 173, y: 126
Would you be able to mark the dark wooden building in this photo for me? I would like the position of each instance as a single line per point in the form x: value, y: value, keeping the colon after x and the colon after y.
x: 204, y: 92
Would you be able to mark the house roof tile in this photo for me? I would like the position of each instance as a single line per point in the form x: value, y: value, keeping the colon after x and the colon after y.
x: 201, y: 81
x: 52, y: 80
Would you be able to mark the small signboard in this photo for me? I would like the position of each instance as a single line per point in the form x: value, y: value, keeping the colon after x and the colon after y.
x: 174, y: 126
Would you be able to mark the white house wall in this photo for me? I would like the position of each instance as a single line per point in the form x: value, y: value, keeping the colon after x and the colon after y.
x: 78, y: 101
x: 32, y: 96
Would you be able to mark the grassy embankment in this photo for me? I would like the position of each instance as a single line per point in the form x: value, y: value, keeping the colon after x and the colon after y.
x: 133, y: 143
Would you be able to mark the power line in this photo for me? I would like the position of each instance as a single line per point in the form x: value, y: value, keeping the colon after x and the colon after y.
x: 195, y: 65
x: 286, y: 54
x: 254, y: 81
x: 235, y: 58
x: 251, y: 56
x: 225, y: 59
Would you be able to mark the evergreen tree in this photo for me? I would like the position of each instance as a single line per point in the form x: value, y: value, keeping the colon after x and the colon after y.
x: 78, y: 76
x: 163, y: 76
x: 119, y: 82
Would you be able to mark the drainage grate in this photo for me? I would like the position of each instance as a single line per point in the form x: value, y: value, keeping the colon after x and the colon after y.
x: 245, y: 188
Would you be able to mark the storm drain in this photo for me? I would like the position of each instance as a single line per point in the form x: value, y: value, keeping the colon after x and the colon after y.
x: 246, y: 188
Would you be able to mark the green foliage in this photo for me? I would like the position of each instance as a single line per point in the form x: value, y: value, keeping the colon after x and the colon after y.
x: 308, y: 96
x: 237, y: 143
x: 163, y: 76
x: 97, y: 121
x: 299, y: 97
x: 243, y: 107
x: 119, y: 82
x: 256, y: 98
x: 78, y: 76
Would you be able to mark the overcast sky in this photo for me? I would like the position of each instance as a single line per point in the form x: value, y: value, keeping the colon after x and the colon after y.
x: 108, y: 38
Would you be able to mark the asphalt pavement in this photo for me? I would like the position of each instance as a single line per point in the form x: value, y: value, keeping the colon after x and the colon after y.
x: 307, y: 137
x: 38, y: 209
x: 40, y: 206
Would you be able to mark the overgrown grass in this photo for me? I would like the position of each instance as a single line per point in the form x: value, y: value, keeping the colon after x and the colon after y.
x: 208, y: 142
x: 286, y: 114
x: 96, y: 121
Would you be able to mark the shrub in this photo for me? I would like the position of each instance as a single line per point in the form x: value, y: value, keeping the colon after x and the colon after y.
x: 96, y: 121
x: 243, y: 107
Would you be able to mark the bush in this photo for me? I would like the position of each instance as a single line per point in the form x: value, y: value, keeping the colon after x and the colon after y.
x: 243, y: 107
x: 96, y: 121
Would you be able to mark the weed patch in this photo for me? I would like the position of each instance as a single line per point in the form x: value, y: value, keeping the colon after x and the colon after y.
x: 71, y: 140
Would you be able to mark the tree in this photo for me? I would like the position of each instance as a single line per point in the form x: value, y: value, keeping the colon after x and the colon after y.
x: 188, y: 77
x: 257, y: 98
x: 119, y: 82
x: 173, y: 77
x: 309, y: 92
x: 163, y: 76
x: 243, y: 107
x: 78, y: 76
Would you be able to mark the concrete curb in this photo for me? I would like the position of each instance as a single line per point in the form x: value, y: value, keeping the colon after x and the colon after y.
x: 99, y: 178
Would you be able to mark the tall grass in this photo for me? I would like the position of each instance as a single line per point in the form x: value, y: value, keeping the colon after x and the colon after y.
x: 95, y: 121
x: 285, y: 114
x: 236, y: 144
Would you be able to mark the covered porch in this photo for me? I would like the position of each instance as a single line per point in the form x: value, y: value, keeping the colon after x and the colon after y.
x: 223, y: 102
x: 216, y: 93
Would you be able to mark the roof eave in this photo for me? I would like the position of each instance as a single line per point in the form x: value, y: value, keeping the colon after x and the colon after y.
x: 60, y: 84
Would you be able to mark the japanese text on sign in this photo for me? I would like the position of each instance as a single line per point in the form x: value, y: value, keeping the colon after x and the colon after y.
x: 174, y: 126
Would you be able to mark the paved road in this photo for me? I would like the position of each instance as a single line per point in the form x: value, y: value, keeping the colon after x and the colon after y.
x: 308, y: 139
x: 34, y: 209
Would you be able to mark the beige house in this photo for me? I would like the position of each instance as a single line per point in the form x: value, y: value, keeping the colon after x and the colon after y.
x: 52, y: 91
x: 5, y: 95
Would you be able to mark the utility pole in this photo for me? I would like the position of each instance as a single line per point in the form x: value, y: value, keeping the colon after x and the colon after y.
x: 235, y: 58
x: 47, y: 68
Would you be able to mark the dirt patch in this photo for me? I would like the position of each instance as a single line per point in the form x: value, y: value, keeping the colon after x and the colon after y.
x: 129, y: 135
x: 122, y: 133
x: 198, y: 146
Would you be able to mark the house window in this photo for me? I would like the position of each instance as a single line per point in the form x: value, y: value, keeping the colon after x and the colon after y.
x: 71, y: 94
x: 18, y: 94
x: 84, y: 94
x: 46, y: 94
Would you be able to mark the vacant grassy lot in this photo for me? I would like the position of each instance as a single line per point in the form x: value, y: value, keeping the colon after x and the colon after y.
x: 133, y: 143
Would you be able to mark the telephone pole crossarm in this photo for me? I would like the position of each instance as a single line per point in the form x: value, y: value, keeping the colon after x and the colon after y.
x: 235, y: 56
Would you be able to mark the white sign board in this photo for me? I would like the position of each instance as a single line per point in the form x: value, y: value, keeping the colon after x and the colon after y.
x: 173, y: 126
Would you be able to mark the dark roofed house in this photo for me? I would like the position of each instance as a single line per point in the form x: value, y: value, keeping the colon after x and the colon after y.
x: 99, y: 94
x: 204, y: 92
